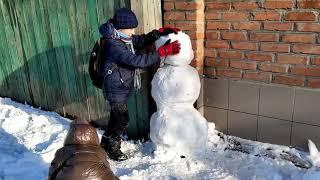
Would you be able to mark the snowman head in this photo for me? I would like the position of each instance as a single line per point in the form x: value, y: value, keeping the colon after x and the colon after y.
x: 185, y: 56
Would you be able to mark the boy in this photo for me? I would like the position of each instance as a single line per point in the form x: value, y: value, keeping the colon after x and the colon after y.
x: 121, y: 73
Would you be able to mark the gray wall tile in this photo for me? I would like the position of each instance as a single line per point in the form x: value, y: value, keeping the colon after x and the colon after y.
x: 242, y: 125
x: 274, y: 131
x: 301, y: 133
x: 218, y: 116
x: 307, y: 106
x: 244, y: 96
x: 216, y: 93
x: 276, y: 101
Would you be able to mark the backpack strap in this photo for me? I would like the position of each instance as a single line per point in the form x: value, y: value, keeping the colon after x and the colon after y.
x: 110, y: 70
x: 114, y: 66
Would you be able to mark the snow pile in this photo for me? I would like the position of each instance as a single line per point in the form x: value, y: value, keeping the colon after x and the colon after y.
x: 186, y: 53
x: 29, y: 138
x: 175, y: 88
x: 314, y: 154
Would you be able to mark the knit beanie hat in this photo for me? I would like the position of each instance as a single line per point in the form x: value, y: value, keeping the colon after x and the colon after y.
x: 124, y: 18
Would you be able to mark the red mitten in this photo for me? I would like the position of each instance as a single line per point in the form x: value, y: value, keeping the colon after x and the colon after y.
x: 169, y: 49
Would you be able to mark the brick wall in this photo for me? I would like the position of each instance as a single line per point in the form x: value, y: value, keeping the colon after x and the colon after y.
x: 189, y: 17
x: 271, y: 41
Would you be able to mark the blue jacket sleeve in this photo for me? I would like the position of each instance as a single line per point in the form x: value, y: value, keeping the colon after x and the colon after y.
x: 141, y: 41
x: 123, y: 56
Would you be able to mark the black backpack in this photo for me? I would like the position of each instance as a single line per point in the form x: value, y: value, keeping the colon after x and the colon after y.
x: 95, y: 63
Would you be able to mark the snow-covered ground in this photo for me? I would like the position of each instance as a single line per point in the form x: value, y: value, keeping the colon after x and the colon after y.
x: 29, y: 138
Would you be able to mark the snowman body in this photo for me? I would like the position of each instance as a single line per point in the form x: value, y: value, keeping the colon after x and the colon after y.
x: 177, y: 125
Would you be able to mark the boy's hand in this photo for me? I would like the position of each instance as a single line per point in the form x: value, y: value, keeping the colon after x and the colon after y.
x: 169, y: 49
x: 168, y: 30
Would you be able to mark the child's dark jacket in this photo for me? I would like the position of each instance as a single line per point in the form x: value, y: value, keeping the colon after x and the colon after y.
x: 116, y: 51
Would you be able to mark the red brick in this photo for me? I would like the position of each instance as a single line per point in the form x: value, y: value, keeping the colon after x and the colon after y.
x: 252, y: 65
x: 313, y: 83
x: 300, y: 16
x: 218, y: 25
x: 187, y: 26
x: 197, y: 45
x: 289, y: 80
x: 273, y: 68
x: 306, y: 71
x: 244, y: 45
x: 232, y: 73
x: 168, y: 23
x: 209, y: 71
x: 235, y: 16
x: 198, y: 54
x: 315, y: 60
x: 278, y: 26
x: 267, y: 15
x: 276, y: 4
x: 211, y: 62
x: 306, y: 48
x: 188, y: 5
x: 199, y: 50
x: 230, y: 54
x: 245, y: 5
x: 172, y: 15
x: 264, y: 37
x: 217, y: 44
x: 318, y: 38
x: 210, y: 35
x: 275, y: 47
x: 196, y: 35
x: 291, y: 59
x: 238, y: 36
x: 194, y: 16
x: 308, y: 27
x: 309, y: 4
x: 258, y: 76
x: 210, y: 52
x: 193, y: 64
x: 212, y: 15
x: 218, y: 6
x: 302, y: 38
x: 167, y: 6
x: 259, y: 56
x: 197, y: 63
x: 247, y: 25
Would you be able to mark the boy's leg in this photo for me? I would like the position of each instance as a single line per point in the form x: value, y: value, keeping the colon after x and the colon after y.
x: 119, y: 120
x: 111, y: 140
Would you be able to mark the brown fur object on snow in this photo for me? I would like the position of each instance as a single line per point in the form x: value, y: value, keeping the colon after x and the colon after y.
x: 81, y: 157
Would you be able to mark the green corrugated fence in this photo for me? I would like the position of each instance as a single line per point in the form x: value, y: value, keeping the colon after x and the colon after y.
x: 44, y: 54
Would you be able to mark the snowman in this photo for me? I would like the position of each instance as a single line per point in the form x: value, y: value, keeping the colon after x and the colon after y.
x: 177, y: 125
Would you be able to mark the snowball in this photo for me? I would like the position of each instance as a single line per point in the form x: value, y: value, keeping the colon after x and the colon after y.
x: 181, y: 128
x: 185, y: 56
x: 175, y: 84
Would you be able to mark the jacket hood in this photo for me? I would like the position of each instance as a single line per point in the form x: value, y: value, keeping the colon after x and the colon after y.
x: 81, y: 133
x: 107, y: 30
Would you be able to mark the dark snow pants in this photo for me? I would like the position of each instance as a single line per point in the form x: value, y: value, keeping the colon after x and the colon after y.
x: 119, y: 120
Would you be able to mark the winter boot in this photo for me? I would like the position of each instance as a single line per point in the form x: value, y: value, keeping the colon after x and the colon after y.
x: 112, y: 147
x: 111, y: 141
